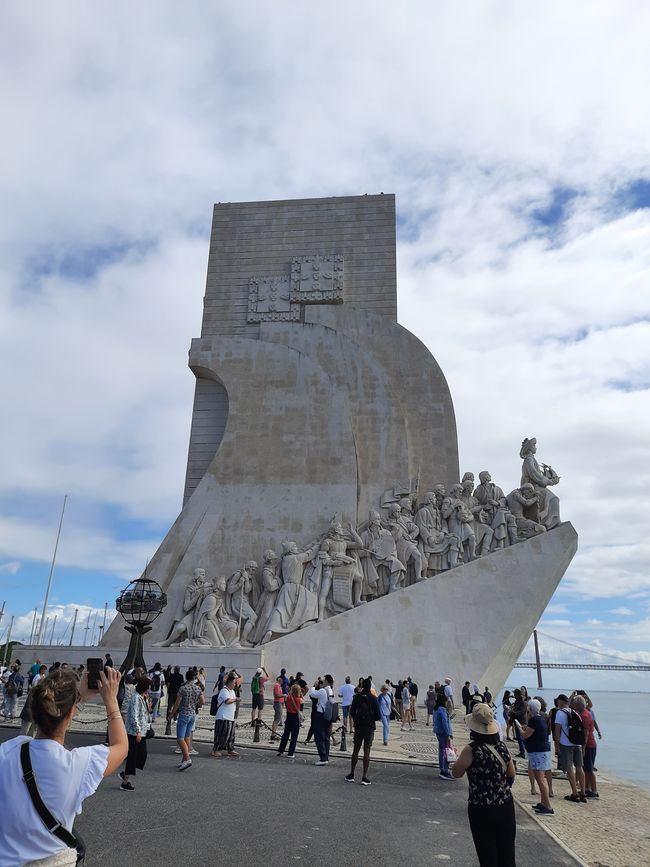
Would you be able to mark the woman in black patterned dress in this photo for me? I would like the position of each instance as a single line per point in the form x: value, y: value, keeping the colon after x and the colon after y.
x: 490, y: 772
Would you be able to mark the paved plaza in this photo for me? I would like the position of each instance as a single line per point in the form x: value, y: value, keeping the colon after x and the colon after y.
x: 259, y: 809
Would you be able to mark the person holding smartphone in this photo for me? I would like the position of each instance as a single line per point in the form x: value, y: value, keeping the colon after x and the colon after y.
x: 64, y: 778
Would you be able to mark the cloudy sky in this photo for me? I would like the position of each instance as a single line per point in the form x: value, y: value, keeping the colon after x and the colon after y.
x: 517, y: 142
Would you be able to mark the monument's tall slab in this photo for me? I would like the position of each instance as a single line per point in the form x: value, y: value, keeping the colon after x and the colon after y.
x: 311, y: 400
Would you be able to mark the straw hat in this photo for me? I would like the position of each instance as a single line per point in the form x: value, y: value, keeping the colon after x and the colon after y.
x: 481, y: 720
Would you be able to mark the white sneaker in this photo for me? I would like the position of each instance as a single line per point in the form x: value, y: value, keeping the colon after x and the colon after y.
x: 194, y: 752
x: 447, y: 777
x: 322, y: 763
x: 178, y: 751
x: 184, y: 765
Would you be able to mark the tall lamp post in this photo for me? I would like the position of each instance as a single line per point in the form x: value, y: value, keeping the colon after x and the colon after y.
x: 139, y: 604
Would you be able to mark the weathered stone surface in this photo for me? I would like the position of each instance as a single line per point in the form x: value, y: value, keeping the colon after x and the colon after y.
x: 314, y: 408
x: 311, y: 417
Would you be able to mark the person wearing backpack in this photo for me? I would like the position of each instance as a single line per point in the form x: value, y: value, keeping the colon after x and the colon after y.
x: 13, y: 691
x: 569, y: 737
x: 365, y: 713
x: 257, y: 692
x: 155, y: 690
x: 323, y: 716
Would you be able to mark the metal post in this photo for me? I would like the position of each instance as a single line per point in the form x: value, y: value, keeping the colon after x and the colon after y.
x: 86, y: 628
x: 2, y: 611
x: 49, y: 578
x: 44, y: 628
x: 8, y: 641
x: 32, y: 633
x: 538, y: 663
x: 103, y: 626
x: 53, y: 628
x: 92, y: 631
x: 74, y: 623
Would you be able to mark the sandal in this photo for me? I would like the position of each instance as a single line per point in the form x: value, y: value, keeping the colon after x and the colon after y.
x: 573, y: 798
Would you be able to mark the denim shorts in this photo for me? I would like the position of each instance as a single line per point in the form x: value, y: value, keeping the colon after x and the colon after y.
x: 185, y: 726
x: 346, y: 711
x: 539, y: 761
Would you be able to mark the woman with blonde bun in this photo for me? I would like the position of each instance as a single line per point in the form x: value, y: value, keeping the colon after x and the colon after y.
x: 63, y: 778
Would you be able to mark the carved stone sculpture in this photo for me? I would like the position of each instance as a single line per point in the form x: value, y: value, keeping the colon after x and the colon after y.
x: 212, y: 626
x: 523, y: 502
x: 296, y: 604
x: 271, y: 582
x: 382, y: 569
x: 541, y: 478
x: 493, y: 501
x: 460, y: 521
x: 405, y: 532
x: 312, y: 399
x: 439, y: 549
x: 183, y: 625
x: 341, y: 573
x: 238, y: 600
x: 482, y: 531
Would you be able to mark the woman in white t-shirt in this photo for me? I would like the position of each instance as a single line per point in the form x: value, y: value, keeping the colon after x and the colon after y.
x: 224, y: 723
x: 64, y: 778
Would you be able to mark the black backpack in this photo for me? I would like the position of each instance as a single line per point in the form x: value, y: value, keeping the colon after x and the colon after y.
x: 575, y: 728
x: 155, y: 682
x: 364, y: 715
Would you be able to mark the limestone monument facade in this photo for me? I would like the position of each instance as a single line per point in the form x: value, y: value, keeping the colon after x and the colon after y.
x: 323, y: 446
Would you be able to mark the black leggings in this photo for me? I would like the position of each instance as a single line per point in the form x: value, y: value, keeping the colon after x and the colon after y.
x: 493, y: 830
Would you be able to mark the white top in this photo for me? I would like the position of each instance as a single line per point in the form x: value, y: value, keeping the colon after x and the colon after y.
x: 37, y: 677
x: 448, y: 691
x: 322, y: 694
x: 64, y: 779
x: 346, y: 694
x: 562, y: 720
x: 226, y: 711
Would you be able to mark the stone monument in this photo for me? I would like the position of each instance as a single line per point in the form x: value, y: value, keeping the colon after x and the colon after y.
x: 323, y: 445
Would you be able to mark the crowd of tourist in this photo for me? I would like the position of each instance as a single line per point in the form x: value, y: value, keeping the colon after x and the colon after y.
x: 134, y: 700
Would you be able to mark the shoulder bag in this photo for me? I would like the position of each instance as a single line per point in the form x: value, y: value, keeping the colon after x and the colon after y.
x: 72, y: 841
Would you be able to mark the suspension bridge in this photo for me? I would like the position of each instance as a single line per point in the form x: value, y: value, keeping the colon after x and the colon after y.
x: 622, y: 664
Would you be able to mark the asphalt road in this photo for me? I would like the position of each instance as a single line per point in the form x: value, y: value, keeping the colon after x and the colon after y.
x: 261, y: 810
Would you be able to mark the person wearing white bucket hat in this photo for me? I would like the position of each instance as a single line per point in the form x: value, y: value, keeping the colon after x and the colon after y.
x: 490, y: 772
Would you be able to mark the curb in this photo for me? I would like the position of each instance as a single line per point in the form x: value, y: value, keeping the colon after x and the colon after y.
x: 533, y: 815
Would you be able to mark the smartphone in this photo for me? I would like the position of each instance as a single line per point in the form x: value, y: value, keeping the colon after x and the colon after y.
x: 94, y: 666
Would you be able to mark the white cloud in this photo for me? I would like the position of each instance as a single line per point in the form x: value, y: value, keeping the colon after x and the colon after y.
x: 118, y: 140
x: 556, y: 608
x: 622, y: 611
x: 10, y: 568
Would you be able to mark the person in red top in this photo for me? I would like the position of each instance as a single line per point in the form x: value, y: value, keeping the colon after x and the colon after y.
x: 279, y: 696
x: 589, y: 748
x: 292, y: 721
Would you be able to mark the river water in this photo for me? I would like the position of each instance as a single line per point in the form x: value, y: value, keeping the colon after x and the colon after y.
x: 624, y: 720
